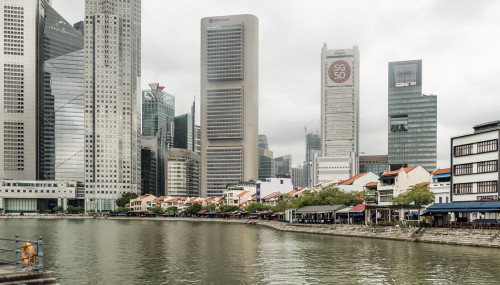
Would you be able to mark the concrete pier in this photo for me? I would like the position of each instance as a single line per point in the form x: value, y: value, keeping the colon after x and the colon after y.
x: 10, y: 275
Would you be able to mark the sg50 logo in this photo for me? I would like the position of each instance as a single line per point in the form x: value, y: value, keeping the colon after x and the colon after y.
x: 339, y: 71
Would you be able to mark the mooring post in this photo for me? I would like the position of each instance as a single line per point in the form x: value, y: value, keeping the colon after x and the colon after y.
x: 17, y: 250
x: 40, y: 254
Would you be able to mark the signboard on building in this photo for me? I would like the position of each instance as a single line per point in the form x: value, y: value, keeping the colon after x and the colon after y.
x: 339, y: 71
x: 487, y: 198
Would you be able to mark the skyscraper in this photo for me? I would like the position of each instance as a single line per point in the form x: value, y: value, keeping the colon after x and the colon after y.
x: 158, y: 109
x: 112, y: 79
x: 313, y: 145
x: 266, y: 164
x: 263, y: 142
x: 412, y: 118
x: 229, y: 101
x: 339, y: 114
x: 185, y: 131
x: 41, y: 75
x: 283, y: 166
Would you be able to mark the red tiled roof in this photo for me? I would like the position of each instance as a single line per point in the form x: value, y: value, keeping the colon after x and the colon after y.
x: 358, y: 208
x: 442, y: 171
x: 352, y: 179
x: 407, y: 169
x: 241, y: 194
x: 425, y: 183
x: 146, y: 195
x: 371, y: 184
x: 174, y: 200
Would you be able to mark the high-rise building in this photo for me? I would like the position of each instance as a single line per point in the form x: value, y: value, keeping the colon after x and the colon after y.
x: 339, y: 113
x: 229, y: 101
x: 412, y: 117
x: 41, y: 83
x: 263, y: 142
x: 313, y: 145
x: 297, y: 176
x: 183, y: 173
x: 112, y: 80
x: 185, y: 131
x: 266, y: 164
x: 283, y: 166
x: 158, y: 110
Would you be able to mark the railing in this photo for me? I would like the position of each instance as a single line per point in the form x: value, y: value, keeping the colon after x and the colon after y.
x: 38, y: 258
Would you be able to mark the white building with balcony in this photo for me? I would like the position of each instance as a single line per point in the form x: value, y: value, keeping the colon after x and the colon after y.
x: 393, y: 183
x: 440, y: 185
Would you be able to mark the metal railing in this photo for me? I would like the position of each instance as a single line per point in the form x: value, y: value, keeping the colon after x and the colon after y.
x: 38, y: 258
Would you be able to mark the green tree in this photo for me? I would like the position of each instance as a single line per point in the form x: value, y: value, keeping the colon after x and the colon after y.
x: 125, y: 199
x: 257, y: 206
x: 58, y: 209
x: 157, y: 210
x: 1, y: 210
x: 71, y: 209
x: 285, y: 202
x: 210, y: 207
x: 419, y: 194
x: 228, y: 208
x: 329, y: 195
x: 79, y: 209
x: 193, y: 209
x: 172, y: 209
x: 123, y: 209
x: 229, y: 184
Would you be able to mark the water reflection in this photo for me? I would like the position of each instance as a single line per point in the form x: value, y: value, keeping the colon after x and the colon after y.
x: 178, y: 252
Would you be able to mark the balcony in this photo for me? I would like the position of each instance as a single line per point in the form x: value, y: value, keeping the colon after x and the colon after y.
x: 383, y: 186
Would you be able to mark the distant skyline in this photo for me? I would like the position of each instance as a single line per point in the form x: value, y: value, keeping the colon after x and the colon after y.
x: 456, y: 41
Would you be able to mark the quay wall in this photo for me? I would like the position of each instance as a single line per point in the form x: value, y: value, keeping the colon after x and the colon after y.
x: 467, y: 237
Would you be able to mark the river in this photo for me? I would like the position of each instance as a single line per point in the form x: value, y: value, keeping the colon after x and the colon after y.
x: 186, y: 252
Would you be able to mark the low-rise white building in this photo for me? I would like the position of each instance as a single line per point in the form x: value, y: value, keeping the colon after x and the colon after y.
x: 358, y: 182
x: 33, y: 195
x: 270, y: 185
x: 142, y: 203
x: 393, y: 183
x: 440, y: 185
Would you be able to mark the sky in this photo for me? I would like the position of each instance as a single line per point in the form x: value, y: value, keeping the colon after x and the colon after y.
x: 458, y: 42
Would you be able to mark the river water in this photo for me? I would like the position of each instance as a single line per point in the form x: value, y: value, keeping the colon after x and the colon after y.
x: 190, y: 252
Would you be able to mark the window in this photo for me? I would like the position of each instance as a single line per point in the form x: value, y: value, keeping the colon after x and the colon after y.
x: 487, y: 146
x: 399, y: 124
x: 487, y: 166
x: 462, y: 169
x: 462, y: 150
x: 440, y: 199
x: 462, y: 188
x: 487, y: 187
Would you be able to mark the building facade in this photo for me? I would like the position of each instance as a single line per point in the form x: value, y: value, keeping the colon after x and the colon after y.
x: 313, y: 146
x: 182, y: 173
x: 298, y: 176
x: 112, y: 82
x: 185, y: 131
x: 266, y: 164
x: 158, y: 111
x: 283, y: 166
x: 474, y: 164
x: 412, y: 118
x: 340, y: 111
x: 229, y: 101
x: 373, y: 163
x: 440, y: 185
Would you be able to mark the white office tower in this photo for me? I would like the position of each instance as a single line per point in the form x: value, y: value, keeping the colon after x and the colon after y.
x: 112, y: 81
x: 339, y: 114
x: 229, y: 101
x: 19, y: 69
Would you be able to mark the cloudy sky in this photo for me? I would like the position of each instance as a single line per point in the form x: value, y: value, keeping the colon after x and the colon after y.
x: 457, y: 40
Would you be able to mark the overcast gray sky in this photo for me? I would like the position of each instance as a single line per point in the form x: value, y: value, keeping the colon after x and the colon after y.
x: 457, y: 40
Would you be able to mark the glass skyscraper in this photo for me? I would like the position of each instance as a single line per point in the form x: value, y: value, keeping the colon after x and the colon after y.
x: 412, y: 118
x: 62, y: 125
x: 158, y: 109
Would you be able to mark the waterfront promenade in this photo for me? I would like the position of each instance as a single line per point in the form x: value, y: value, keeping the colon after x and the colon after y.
x: 467, y: 237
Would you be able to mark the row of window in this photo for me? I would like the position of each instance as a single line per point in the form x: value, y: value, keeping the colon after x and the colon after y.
x: 481, y: 167
x: 481, y: 147
x: 481, y: 187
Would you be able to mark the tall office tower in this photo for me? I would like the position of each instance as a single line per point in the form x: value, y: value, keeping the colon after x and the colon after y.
x: 297, y: 176
x: 229, y: 101
x: 62, y: 138
x: 339, y: 114
x: 197, y: 142
x: 263, y: 142
x: 412, y: 118
x: 183, y: 173
x: 185, y: 131
x: 266, y: 164
x: 283, y: 166
x: 112, y: 81
x: 313, y: 145
x: 158, y: 109
x: 41, y: 83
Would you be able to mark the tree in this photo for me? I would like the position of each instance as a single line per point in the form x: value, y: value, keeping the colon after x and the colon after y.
x: 1, y: 209
x: 125, y: 199
x: 71, y: 209
x: 123, y: 209
x: 172, y: 209
x: 285, y: 202
x: 329, y: 195
x: 58, y: 209
x: 229, y: 184
x: 193, y: 209
x: 210, y: 207
x: 228, y: 208
x: 79, y: 209
x: 257, y: 206
x: 156, y: 210
x: 419, y: 194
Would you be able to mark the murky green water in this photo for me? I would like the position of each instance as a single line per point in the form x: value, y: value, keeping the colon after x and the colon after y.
x: 183, y: 252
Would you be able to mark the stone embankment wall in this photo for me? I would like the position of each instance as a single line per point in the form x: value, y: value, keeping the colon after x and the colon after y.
x: 470, y: 237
